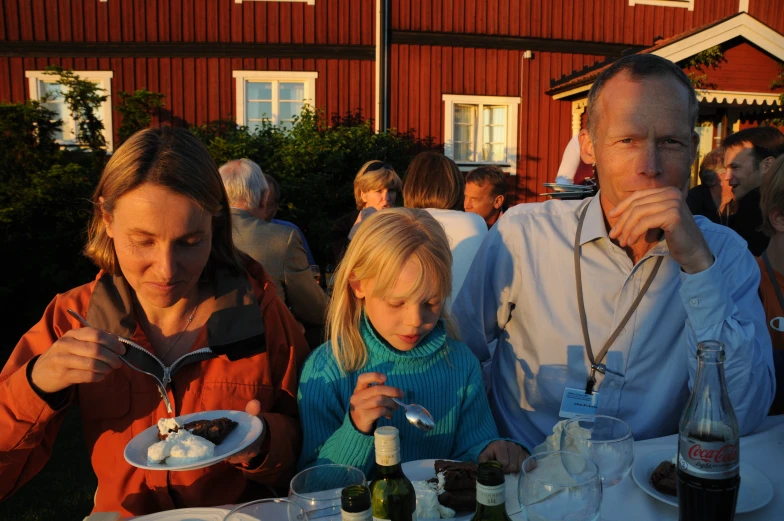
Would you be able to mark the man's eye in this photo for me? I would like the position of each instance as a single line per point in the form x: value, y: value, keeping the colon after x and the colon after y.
x: 626, y: 140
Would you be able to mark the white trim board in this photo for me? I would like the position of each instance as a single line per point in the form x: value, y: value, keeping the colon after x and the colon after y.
x: 688, y: 4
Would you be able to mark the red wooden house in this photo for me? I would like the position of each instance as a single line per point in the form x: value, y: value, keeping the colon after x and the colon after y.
x: 497, y: 81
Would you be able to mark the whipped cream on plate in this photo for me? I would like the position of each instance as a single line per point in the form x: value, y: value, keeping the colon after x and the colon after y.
x: 427, y: 506
x: 179, y: 448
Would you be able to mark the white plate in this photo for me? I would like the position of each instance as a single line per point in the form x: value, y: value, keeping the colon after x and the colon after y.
x: 569, y: 188
x: 187, y: 514
x: 422, y: 470
x: 248, y: 429
x: 756, y: 490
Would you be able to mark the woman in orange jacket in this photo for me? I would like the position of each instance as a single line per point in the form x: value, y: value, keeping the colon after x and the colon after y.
x: 170, y: 280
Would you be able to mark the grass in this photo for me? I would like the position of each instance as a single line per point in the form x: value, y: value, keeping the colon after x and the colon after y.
x: 64, y: 488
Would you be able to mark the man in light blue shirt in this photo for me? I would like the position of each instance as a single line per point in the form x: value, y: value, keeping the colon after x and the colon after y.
x: 519, y: 312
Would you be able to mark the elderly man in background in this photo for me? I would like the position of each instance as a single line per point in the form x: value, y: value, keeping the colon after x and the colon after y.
x: 613, y: 293
x: 485, y: 193
x: 277, y: 248
x: 747, y: 156
x: 271, y: 204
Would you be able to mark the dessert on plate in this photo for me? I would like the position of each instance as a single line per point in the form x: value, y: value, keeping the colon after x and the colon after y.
x: 190, y: 443
x: 663, y: 478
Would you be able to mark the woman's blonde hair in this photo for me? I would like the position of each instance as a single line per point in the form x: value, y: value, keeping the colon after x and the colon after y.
x: 375, y: 175
x: 772, y: 194
x: 433, y: 181
x: 173, y: 159
x: 384, y: 243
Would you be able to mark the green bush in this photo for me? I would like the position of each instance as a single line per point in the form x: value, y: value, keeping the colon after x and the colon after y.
x: 136, y: 110
x: 315, y: 162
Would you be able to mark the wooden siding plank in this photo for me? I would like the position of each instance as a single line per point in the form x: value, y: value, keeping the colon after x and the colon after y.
x: 492, y: 15
x: 421, y: 119
x: 227, y: 31
x: 188, y: 24
x: 470, y: 14
x: 367, y: 92
x: 404, y: 20
x: 322, y: 20
x: 176, y: 104
x: 448, y: 14
x: 190, y: 99
x: 333, y: 88
x: 12, y: 26
x: 434, y: 79
x: 164, y: 114
x: 202, y: 92
x: 38, y: 20
x: 309, y: 28
x: 176, y: 16
x: 354, y: 85
x: 164, y: 21
x: 226, y: 85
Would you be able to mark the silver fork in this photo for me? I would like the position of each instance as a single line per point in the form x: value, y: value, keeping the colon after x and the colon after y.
x: 161, y: 387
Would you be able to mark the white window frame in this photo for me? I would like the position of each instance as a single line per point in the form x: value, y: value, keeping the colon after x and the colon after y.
x: 309, y: 2
x: 241, y: 77
x: 101, y: 78
x: 688, y: 4
x: 509, y: 165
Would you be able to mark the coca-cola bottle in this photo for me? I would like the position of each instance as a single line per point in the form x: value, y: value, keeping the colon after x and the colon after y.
x: 708, y: 449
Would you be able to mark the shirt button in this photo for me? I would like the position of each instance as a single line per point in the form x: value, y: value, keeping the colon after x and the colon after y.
x: 694, y: 302
x: 623, y: 331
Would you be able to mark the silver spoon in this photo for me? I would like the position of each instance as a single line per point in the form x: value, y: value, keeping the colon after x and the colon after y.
x: 161, y: 387
x: 417, y: 415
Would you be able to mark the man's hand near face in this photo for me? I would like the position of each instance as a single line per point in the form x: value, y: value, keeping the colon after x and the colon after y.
x: 665, y: 209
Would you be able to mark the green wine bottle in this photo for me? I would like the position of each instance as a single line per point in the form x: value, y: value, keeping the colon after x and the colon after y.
x: 392, y: 494
x: 490, y: 493
x: 355, y: 504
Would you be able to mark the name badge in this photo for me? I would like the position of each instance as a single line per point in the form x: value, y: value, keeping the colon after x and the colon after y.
x: 576, y: 402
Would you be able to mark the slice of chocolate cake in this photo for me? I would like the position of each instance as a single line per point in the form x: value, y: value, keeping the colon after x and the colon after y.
x: 664, y: 478
x: 457, y: 482
x: 214, y: 430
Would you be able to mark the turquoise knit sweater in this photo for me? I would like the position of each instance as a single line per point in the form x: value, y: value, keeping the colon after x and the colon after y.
x: 440, y: 374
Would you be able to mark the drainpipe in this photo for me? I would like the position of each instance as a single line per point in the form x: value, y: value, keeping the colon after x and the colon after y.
x: 382, y: 61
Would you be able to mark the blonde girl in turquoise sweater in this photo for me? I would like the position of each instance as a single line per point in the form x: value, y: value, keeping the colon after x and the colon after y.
x: 390, y: 336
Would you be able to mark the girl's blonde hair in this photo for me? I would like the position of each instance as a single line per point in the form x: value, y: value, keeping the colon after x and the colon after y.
x: 772, y: 194
x: 375, y: 175
x: 380, y: 249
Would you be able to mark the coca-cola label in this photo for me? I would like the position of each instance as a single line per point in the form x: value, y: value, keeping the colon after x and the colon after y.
x: 709, y: 459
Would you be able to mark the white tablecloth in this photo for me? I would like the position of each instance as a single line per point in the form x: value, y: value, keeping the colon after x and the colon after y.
x: 764, y: 450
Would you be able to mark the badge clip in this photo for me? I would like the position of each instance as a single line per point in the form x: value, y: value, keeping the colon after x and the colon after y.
x: 604, y: 370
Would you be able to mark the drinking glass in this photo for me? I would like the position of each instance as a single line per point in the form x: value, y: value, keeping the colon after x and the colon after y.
x: 558, y: 485
x: 317, y: 489
x: 316, y: 270
x: 267, y: 510
x: 606, y: 440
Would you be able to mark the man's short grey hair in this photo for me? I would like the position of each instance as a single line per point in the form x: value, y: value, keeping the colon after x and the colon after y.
x: 639, y: 66
x: 244, y: 182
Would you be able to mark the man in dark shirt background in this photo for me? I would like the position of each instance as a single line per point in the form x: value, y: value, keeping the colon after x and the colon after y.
x: 747, y: 156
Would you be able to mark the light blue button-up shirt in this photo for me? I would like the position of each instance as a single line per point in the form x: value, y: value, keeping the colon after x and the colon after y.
x: 518, y: 312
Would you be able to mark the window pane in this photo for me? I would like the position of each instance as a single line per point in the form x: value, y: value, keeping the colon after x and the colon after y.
x: 463, y: 152
x: 254, y: 125
x: 464, y: 132
x: 497, y: 153
x: 258, y: 110
x: 292, y: 91
x: 465, y: 113
x: 497, y: 134
x: 494, y: 115
x: 259, y: 90
x: 288, y: 109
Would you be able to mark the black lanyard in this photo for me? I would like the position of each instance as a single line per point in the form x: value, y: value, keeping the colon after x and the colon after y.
x: 772, y: 275
x: 596, y: 364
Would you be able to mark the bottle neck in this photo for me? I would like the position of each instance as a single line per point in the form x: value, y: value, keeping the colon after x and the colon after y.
x: 394, y: 470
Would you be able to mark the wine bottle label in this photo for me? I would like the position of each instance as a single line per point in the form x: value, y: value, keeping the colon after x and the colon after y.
x: 709, y: 459
x: 367, y: 515
x: 387, y: 459
x: 490, y: 496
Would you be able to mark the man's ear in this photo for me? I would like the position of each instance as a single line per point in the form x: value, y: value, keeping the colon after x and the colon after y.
x: 695, y: 145
x: 498, y: 202
x: 776, y: 218
x: 586, y: 147
x: 107, y: 218
x: 356, y: 287
x: 764, y: 165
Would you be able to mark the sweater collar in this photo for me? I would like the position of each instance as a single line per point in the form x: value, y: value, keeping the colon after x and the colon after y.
x: 378, y: 347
